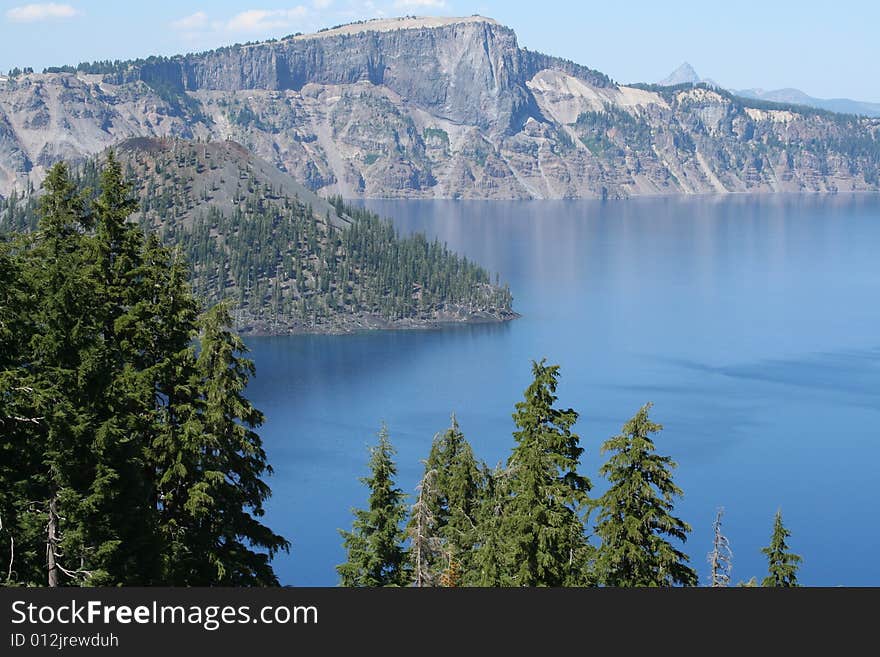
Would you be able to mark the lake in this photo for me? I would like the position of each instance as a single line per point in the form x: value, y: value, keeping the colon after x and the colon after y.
x: 750, y: 322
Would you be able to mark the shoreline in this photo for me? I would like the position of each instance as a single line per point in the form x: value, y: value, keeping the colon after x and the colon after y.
x: 372, y: 324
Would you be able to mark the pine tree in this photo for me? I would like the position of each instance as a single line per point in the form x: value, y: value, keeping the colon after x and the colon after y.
x: 214, y: 492
x: 374, y: 546
x: 126, y: 459
x: 490, y: 560
x: 542, y: 519
x: 23, y: 533
x: 635, y: 513
x: 120, y: 522
x: 451, y: 499
x: 61, y: 342
x: 721, y: 557
x: 783, y: 565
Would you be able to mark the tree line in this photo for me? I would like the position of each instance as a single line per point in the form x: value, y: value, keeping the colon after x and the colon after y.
x: 128, y: 451
x: 283, y: 265
x: 532, y: 521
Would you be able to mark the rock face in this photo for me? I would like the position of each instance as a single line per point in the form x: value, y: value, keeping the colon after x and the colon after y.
x: 436, y: 108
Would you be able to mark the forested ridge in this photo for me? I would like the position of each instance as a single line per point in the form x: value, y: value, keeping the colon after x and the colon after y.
x: 287, y: 260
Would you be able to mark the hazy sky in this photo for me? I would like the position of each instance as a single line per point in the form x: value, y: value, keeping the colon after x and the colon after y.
x: 825, y: 49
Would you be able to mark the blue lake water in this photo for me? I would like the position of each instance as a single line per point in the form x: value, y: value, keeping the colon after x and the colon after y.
x: 751, y: 323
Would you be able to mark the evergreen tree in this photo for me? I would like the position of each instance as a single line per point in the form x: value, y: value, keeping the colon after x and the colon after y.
x: 62, y: 338
x: 452, y: 499
x: 23, y: 530
x: 783, y: 565
x: 542, y: 520
x: 221, y: 492
x: 635, y: 513
x: 126, y: 458
x: 376, y: 556
x: 490, y: 560
x: 120, y: 522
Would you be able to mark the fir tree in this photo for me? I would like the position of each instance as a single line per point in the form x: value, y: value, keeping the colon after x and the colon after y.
x: 452, y: 499
x: 635, y: 513
x: 126, y: 459
x: 23, y: 531
x: 120, y: 522
x: 490, y: 560
x: 783, y: 565
x: 64, y: 333
x: 374, y: 546
x: 215, y: 492
x: 542, y: 519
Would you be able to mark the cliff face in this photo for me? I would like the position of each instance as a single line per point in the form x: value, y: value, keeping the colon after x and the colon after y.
x: 437, y: 108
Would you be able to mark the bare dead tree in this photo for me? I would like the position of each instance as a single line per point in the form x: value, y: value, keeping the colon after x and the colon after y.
x: 721, y: 557
x: 52, y: 542
x: 54, y: 554
x: 425, y: 544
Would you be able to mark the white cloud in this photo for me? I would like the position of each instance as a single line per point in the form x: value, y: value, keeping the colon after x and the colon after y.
x: 40, y: 12
x: 321, y: 4
x: 196, y: 21
x: 264, y: 20
x: 420, y: 4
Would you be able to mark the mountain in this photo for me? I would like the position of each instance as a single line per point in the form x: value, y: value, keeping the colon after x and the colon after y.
x: 797, y: 97
x: 685, y: 74
x: 435, y: 108
x: 290, y: 261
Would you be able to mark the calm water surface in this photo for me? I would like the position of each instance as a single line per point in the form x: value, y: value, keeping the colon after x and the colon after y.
x: 751, y: 323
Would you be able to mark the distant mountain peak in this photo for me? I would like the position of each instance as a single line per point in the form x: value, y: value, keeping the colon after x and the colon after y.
x: 684, y: 74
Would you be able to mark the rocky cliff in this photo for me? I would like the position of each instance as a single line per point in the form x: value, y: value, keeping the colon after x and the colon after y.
x: 436, y: 108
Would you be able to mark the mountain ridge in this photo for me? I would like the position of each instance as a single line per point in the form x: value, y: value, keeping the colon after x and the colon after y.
x: 454, y: 110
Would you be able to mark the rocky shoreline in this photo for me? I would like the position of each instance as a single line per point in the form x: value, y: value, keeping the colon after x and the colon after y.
x: 350, y: 324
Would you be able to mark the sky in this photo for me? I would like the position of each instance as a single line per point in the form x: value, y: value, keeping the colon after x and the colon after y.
x: 828, y: 50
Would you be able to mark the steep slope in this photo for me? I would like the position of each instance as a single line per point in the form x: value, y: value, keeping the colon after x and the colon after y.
x: 436, y: 108
x: 291, y: 262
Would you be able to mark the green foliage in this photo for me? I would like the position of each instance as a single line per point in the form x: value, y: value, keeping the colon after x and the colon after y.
x: 613, y: 131
x: 635, y: 513
x: 436, y: 133
x: 782, y: 564
x: 449, y: 497
x: 540, y: 528
x: 281, y: 265
x: 131, y: 460
x: 374, y: 546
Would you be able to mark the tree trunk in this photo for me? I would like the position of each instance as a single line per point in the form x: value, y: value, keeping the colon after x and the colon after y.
x: 52, y: 541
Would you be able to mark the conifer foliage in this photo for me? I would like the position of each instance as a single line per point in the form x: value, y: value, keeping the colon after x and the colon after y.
x: 635, y: 515
x: 542, y: 522
x: 449, y: 495
x: 131, y: 459
x: 783, y: 565
x: 376, y: 556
